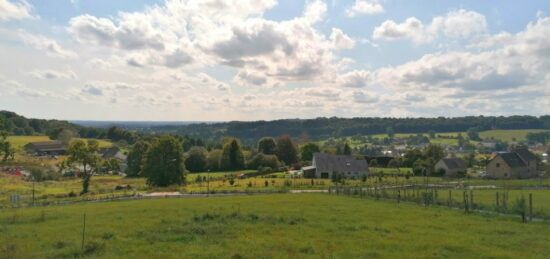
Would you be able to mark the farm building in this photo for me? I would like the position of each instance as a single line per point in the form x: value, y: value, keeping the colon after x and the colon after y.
x: 452, y: 167
x: 520, y: 163
x: 43, y: 148
x: 327, y: 165
x: 114, y: 153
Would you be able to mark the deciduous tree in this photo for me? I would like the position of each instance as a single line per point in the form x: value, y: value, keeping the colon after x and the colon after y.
x: 135, y: 158
x: 196, y: 159
x: 308, y: 150
x: 163, y: 164
x: 84, y: 155
x: 232, y: 156
x: 267, y: 146
x: 286, y: 151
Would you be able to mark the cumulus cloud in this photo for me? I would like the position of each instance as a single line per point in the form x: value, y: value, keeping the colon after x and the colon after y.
x: 15, y: 10
x: 365, y: 7
x: 501, y: 79
x: 340, y: 40
x: 53, y: 74
x: 355, y: 79
x: 459, y: 24
x: 50, y: 46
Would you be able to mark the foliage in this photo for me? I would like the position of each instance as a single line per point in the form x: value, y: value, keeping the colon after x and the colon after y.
x: 232, y: 156
x: 261, y: 160
x: 473, y: 134
x: 267, y: 146
x: 136, y: 157
x: 286, y: 151
x: 66, y: 135
x: 85, y: 156
x: 308, y: 150
x: 196, y: 159
x: 538, y: 137
x: 163, y: 164
x: 213, y: 159
x: 347, y: 149
x: 116, y: 134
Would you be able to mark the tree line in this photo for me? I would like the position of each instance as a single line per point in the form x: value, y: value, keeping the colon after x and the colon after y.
x: 322, y: 128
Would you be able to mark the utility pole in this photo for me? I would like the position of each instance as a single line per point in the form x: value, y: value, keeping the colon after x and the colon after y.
x: 33, y: 191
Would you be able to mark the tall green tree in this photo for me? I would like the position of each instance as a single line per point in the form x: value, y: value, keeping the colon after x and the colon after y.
x: 85, y: 156
x: 267, y: 146
x: 196, y: 159
x: 232, y: 156
x: 308, y: 150
x: 6, y: 150
x: 213, y: 159
x: 347, y: 149
x: 163, y: 164
x: 136, y: 157
x: 286, y: 151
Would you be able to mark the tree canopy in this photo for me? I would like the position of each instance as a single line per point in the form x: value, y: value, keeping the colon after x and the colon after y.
x: 308, y: 150
x: 84, y: 155
x: 163, y: 164
x: 267, y: 146
x: 286, y: 151
x: 196, y: 159
x: 136, y: 157
x: 232, y: 156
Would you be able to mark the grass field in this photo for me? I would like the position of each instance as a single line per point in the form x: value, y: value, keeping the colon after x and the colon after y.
x: 502, y: 135
x: 266, y: 226
x: 19, y: 142
x: 508, y: 135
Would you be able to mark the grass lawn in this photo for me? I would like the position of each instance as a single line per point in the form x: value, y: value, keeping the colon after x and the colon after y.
x: 487, y: 198
x: 508, y: 135
x: 19, y: 142
x: 266, y: 226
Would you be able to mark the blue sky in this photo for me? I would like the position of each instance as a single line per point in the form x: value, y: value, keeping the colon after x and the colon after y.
x: 268, y: 59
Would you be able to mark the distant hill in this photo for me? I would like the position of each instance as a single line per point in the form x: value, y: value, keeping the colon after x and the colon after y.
x: 132, y: 124
x: 18, y: 125
x: 321, y: 128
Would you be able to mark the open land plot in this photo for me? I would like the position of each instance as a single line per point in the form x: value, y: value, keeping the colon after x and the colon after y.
x: 268, y: 226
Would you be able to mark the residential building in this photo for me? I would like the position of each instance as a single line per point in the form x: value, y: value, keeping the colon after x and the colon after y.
x: 327, y: 165
x: 453, y: 167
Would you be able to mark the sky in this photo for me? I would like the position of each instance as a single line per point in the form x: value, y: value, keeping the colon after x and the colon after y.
x: 219, y: 60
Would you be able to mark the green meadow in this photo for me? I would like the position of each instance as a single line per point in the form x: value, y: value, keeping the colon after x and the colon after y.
x: 265, y: 226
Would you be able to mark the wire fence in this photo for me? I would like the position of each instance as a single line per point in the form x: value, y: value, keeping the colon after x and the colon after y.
x: 528, y: 204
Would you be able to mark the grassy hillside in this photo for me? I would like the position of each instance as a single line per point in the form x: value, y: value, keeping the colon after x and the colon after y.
x: 269, y: 226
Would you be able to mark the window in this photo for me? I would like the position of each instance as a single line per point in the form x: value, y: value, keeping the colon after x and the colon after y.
x: 498, y: 164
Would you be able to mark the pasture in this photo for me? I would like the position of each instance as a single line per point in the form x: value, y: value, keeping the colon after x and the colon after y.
x: 266, y: 226
x: 19, y: 142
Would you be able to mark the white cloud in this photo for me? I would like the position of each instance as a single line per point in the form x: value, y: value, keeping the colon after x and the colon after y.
x: 53, y: 74
x: 340, y: 40
x: 50, y: 46
x: 499, y: 80
x: 15, y: 10
x: 315, y: 11
x: 365, y: 7
x: 412, y: 28
x: 460, y: 24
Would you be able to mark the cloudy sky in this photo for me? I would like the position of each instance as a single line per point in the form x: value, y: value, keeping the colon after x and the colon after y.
x: 268, y: 59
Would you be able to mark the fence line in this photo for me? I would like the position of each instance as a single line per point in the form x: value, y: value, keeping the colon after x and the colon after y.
x: 426, y: 196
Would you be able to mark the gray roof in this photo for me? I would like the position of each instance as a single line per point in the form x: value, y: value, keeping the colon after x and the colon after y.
x: 454, y: 163
x: 44, y: 146
x: 525, y: 154
x: 339, y: 163
x: 512, y: 159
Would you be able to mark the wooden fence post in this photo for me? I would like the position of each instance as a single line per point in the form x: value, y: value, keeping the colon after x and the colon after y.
x: 498, y: 205
x: 398, y: 196
x: 465, y: 196
x: 471, y: 198
x: 530, y: 207
x: 83, y: 231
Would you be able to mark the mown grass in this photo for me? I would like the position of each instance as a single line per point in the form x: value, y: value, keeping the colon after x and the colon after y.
x: 266, y: 226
